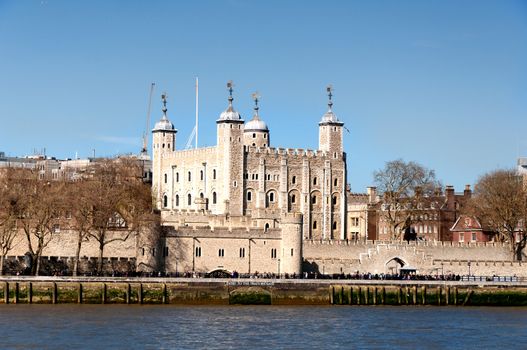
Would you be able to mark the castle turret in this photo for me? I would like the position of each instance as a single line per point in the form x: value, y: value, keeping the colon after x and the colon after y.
x: 330, y: 130
x: 256, y: 133
x: 230, y: 148
x: 163, y: 144
x: 291, y: 257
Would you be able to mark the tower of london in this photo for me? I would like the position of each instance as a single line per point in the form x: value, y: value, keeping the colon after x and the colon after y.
x: 244, y: 205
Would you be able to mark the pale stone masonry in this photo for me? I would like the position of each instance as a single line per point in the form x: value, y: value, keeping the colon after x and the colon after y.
x: 254, y: 187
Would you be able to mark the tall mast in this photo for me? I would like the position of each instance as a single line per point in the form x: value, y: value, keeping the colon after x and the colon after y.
x: 145, y: 135
x: 197, y: 100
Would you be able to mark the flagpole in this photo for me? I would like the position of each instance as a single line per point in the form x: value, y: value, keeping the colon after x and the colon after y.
x: 197, y: 99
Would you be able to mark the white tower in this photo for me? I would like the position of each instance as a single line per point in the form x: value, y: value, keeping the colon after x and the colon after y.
x: 256, y: 133
x: 163, y: 144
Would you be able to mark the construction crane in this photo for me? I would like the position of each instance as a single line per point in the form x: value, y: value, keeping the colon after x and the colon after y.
x: 144, y: 150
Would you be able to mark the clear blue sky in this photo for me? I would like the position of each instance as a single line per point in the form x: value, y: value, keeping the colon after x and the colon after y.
x: 443, y: 83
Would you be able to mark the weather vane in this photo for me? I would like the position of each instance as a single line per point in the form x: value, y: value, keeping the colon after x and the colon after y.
x: 230, y: 85
x: 329, y: 89
x: 256, y: 97
x: 164, y: 99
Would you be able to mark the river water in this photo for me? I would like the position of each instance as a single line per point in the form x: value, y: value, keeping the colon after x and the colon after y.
x: 259, y: 327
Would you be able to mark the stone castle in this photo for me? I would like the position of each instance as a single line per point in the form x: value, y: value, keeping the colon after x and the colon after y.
x: 247, y: 197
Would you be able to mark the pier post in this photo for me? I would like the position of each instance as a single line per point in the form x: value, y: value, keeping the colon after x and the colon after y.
x: 383, y: 299
x: 367, y: 296
x: 103, y: 294
x: 359, y: 292
x: 399, y: 295
x: 6, y: 292
x: 30, y: 293
x: 165, y: 294
x: 455, y: 296
x: 54, y: 297
x: 406, y: 295
x: 439, y: 296
x: 140, y: 296
x: 17, y: 290
x: 128, y: 292
x: 331, y: 295
x: 447, y: 296
x: 423, y: 295
x: 414, y: 295
x: 79, y: 295
x: 375, y: 296
x: 54, y: 293
x: 342, y: 295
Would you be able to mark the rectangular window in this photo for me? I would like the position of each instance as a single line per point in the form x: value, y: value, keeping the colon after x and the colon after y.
x: 354, y: 221
x: 242, y: 252
x: 462, y: 236
x: 474, y: 237
x: 166, y: 251
x: 273, y: 253
x: 221, y: 252
x: 198, y: 251
x: 292, y: 251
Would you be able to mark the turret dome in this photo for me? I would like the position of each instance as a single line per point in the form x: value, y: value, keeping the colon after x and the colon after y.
x: 256, y: 124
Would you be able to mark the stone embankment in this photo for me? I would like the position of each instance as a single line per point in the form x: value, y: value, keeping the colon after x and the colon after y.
x: 54, y: 290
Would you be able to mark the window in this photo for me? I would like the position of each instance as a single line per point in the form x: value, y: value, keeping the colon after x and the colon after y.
x: 315, y: 181
x: 163, y: 145
x: 166, y: 251
x: 265, y: 136
x: 153, y: 251
x: 221, y: 252
x: 214, y: 198
x: 214, y: 174
x: 166, y: 178
x: 271, y: 197
x: 143, y: 251
x: 293, y: 180
x: 335, y: 182
x: 314, y: 225
x: 354, y: 221
x: 177, y: 177
x: 266, y: 228
x: 334, y: 227
x: 198, y: 251
x: 189, y: 176
x: 201, y: 175
x: 314, y: 199
x: 242, y: 252
x: 254, y: 136
x: 189, y: 199
x: 461, y: 236
x: 293, y: 199
x: 334, y: 200
x: 474, y: 236
x: 168, y: 146
x: 292, y: 251
x: 177, y: 200
x: 165, y: 201
x: 56, y: 228
x: 273, y: 253
x: 249, y: 196
x: 201, y: 195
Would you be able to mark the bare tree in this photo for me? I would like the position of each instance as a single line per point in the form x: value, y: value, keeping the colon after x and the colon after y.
x: 122, y: 203
x: 41, y: 207
x: 9, y: 211
x: 80, y: 207
x: 500, y: 204
x: 404, y: 186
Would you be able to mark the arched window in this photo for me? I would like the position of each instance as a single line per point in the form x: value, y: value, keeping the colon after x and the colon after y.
x: 166, y: 178
x: 334, y: 200
x: 314, y: 199
x: 293, y: 198
x: 254, y: 144
x: 266, y: 227
x: 335, y: 182
x: 189, y: 176
x: 314, y: 225
x: 214, y: 174
x: 201, y: 175
x: 249, y: 196
x: 165, y: 201
x: 177, y: 200
x: 214, y: 198
x: 177, y: 177
x: 189, y: 199
x: 163, y: 145
x: 254, y: 135
x: 314, y: 181
x: 271, y: 197
x: 334, y: 225
x: 201, y: 195
x: 169, y: 146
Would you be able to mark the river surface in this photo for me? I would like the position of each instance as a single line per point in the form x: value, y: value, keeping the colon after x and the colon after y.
x: 260, y: 327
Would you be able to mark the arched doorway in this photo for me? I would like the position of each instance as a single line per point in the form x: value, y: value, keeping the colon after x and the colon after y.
x: 394, y: 265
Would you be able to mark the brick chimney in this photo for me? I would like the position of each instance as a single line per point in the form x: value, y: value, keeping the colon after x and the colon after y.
x: 450, y: 197
x: 468, y: 192
x: 372, y: 194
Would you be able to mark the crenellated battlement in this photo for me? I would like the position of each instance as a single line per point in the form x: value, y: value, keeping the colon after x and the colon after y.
x: 293, y: 152
x: 370, y: 244
x: 188, y: 153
